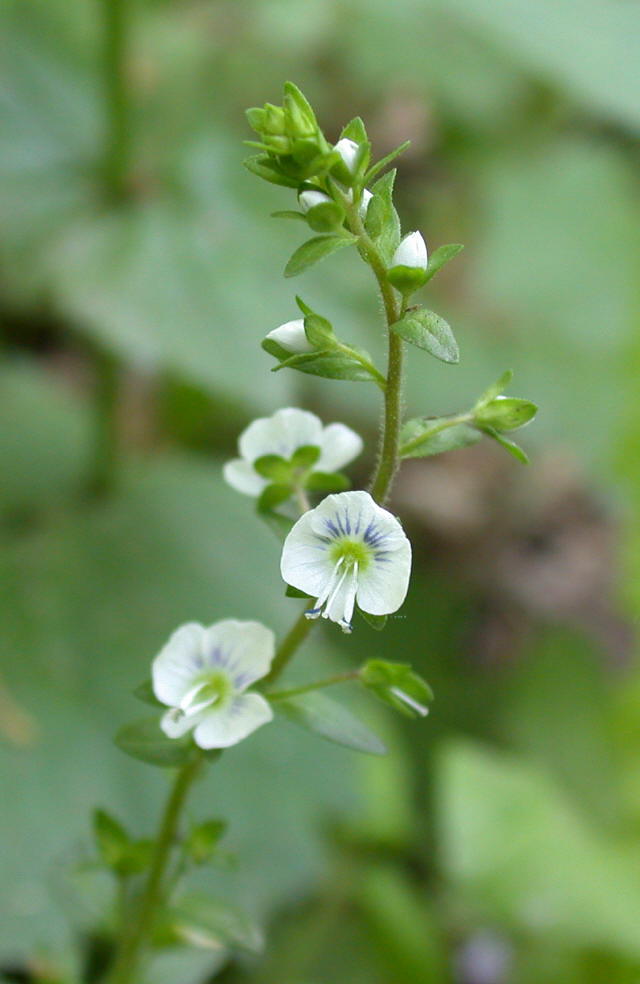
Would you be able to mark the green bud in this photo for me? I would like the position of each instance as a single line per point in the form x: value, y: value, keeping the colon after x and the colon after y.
x: 274, y: 119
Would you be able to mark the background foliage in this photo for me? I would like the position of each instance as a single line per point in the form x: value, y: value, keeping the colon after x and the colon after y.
x: 499, y: 841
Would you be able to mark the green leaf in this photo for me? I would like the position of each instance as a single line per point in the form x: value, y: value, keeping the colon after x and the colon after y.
x: 327, y: 482
x: 145, y: 741
x: 377, y: 622
x: 315, y: 250
x: 495, y: 389
x: 263, y: 167
x: 209, y: 923
x: 355, y: 130
x: 514, y: 449
x: 289, y: 214
x: 272, y: 347
x: 423, y: 437
x: 385, y: 161
x: 382, y: 221
x: 111, y: 838
x: 430, y: 332
x: 325, y: 217
x: 272, y: 497
x: 319, y: 332
x: 331, y: 365
x: 305, y: 456
x: 202, y: 840
x: 398, y: 685
x: 273, y: 467
x: 506, y: 413
x: 144, y: 692
x: 441, y: 256
x: 318, y: 713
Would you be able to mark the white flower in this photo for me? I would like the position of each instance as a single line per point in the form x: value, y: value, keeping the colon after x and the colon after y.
x: 412, y: 252
x: 282, y: 434
x: 345, y: 550
x: 291, y: 336
x: 348, y: 150
x: 202, y: 675
x: 309, y: 199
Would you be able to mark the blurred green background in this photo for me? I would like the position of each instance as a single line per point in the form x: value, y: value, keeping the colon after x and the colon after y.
x: 499, y: 842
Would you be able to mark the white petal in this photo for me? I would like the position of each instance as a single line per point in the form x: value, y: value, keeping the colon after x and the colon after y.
x: 178, y: 664
x: 346, y: 513
x: 340, y: 606
x: 280, y: 434
x: 242, y: 650
x: 242, y: 476
x: 348, y: 150
x: 382, y: 587
x: 339, y: 445
x: 309, y: 199
x: 291, y: 336
x: 411, y: 252
x: 233, y: 722
x: 305, y: 561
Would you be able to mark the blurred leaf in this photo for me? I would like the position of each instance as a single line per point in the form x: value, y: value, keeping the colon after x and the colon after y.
x: 514, y: 449
x: 320, y: 714
x: 330, y: 365
x: 111, y: 838
x: 210, y: 924
x: 426, y: 436
x: 144, y: 692
x: 398, y: 685
x: 145, y: 741
x: 327, y: 482
x: 522, y: 854
x: 203, y: 838
x: 430, y: 332
x: 506, y: 413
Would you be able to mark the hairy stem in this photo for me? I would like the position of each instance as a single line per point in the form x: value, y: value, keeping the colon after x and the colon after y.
x: 135, y: 934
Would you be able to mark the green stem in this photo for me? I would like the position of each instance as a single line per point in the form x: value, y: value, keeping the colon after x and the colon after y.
x: 117, y: 122
x: 102, y: 469
x: 135, y: 935
x: 318, y: 685
x: 287, y: 648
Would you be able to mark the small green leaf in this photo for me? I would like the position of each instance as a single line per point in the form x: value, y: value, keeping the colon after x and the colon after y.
x: 514, y: 449
x: 506, y: 413
x: 144, y: 692
x: 423, y: 437
x: 305, y: 456
x: 272, y: 347
x: 111, y: 838
x: 289, y: 214
x: 320, y: 714
x: 145, y: 741
x: 325, y: 217
x: 385, y: 161
x: 440, y: 257
x: 202, y: 840
x: 327, y: 482
x: 495, y: 389
x: 430, y: 332
x: 331, y: 365
x: 397, y: 684
x: 264, y: 167
x: 211, y: 924
x: 355, y: 130
x: 319, y: 332
x: 314, y: 250
x: 273, y: 467
x: 382, y: 221
x: 376, y: 622
x: 292, y: 592
x: 272, y: 497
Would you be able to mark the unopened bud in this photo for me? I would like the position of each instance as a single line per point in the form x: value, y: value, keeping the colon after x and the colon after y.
x: 291, y: 336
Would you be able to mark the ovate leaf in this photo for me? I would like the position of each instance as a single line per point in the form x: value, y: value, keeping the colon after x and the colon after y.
x: 320, y: 714
x: 315, y: 250
x: 430, y: 332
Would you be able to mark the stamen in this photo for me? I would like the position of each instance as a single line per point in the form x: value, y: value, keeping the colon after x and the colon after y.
x: 409, y: 701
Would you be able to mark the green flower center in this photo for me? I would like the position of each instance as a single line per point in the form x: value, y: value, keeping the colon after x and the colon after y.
x: 351, y: 552
x: 213, y: 688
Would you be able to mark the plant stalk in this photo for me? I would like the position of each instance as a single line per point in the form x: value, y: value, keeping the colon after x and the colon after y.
x: 135, y: 935
x: 117, y: 147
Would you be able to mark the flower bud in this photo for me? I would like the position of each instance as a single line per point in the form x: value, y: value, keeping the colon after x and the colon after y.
x: 412, y: 252
x: 291, y: 337
x: 310, y: 198
x: 364, y: 202
x: 408, y: 270
x: 348, y: 150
